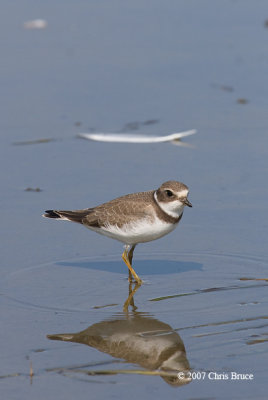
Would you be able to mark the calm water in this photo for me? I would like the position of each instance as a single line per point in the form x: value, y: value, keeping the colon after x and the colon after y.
x: 67, y: 310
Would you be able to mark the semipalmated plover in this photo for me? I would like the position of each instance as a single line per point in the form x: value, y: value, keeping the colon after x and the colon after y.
x: 134, y: 218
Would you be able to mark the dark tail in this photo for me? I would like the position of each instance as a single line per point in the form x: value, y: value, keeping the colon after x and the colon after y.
x: 75, y: 216
x: 51, y: 214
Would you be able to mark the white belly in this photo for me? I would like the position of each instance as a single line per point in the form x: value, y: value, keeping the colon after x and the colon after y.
x: 137, y: 232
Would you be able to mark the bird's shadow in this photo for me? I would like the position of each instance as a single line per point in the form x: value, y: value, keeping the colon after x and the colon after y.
x: 147, y: 267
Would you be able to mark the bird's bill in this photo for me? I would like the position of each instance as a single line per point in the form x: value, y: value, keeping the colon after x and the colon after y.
x: 187, y: 203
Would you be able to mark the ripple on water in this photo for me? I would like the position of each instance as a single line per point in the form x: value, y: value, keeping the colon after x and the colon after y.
x: 217, y: 303
x: 65, y: 285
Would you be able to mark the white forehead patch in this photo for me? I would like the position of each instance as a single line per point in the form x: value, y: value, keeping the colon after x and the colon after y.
x: 183, y: 193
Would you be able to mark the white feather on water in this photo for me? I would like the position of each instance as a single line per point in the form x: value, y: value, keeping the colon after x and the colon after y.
x: 130, y: 138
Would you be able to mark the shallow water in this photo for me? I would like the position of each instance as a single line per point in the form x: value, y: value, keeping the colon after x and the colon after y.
x: 202, y: 310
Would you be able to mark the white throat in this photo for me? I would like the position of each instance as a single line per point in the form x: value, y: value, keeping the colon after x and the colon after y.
x: 172, y: 208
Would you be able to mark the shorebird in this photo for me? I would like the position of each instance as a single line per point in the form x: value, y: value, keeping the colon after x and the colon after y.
x: 134, y: 218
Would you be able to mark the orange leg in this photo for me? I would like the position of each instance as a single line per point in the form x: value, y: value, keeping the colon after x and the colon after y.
x: 127, y: 258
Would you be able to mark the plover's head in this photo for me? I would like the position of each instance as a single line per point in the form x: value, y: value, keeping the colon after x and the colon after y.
x: 172, y: 197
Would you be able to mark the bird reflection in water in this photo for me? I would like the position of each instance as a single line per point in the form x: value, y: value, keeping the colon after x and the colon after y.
x: 137, y: 338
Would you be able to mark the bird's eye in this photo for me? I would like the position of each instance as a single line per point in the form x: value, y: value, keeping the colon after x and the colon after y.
x: 169, y: 193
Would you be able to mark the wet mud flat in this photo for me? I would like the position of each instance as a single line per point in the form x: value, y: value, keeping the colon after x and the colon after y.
x: 71, y: 325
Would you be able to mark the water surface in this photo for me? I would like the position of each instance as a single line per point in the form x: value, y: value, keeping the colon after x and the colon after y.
x: 140, y: 68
